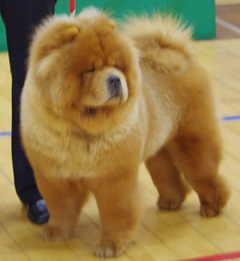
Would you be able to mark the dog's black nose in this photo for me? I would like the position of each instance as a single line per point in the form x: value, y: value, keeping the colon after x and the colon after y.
x: 114, y: 86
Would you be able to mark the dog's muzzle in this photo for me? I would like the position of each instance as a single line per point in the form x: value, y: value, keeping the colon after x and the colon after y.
x: 114, y: 86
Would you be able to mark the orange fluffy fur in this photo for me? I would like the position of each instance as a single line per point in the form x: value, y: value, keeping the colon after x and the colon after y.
x: 79, y: 139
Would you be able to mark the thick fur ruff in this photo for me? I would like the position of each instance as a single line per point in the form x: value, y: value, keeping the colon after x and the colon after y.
x: 98, y: 101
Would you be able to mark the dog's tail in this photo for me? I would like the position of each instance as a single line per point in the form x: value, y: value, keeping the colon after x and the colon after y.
x: 164, y: 31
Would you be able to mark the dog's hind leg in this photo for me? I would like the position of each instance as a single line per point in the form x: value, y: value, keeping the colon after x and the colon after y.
x: 198, y: 157
x: 171, y: 186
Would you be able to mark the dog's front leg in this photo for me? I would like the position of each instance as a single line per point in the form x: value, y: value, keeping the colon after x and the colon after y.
x: 117, y: 199
x: 64, y: 200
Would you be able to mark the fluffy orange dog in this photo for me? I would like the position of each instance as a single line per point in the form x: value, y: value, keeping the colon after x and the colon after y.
x: 97, y: 102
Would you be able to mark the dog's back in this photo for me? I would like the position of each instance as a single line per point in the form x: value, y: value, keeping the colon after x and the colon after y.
x: 169, y: 72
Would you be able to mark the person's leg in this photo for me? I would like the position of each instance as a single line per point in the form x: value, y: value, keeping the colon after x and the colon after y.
x: 20, y: 18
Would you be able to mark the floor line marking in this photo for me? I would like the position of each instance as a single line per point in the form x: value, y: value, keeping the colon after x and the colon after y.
x: 231, y: 118
x: 216, y: 257
x: 5, y: 133
x: 228, y: 25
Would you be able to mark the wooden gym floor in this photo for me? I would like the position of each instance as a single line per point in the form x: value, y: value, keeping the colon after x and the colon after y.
x: 162, y: 235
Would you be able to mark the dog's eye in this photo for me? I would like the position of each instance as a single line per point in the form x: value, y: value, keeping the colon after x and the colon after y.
x: 92, y: 70
x: 90, y: 111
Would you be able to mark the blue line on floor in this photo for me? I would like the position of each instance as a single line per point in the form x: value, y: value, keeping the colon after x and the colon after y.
x: 231, y: 118
x: 5, y: 133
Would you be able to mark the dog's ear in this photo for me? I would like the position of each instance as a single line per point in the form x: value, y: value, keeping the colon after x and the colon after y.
x: 46, y: 41
x: 55, y: 37
x: 111, y: 23
x: 68, y: 34
x: 107, y: 22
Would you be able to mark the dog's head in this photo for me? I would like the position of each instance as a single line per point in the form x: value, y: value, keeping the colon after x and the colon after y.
x: 85, y: 70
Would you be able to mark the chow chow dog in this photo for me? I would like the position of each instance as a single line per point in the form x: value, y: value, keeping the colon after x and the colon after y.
x: 98, y: 101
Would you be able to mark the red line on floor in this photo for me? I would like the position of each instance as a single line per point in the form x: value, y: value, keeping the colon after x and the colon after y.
x: 217, y: 257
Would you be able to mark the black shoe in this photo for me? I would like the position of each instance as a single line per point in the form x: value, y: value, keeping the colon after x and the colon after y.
x: 37, y: 212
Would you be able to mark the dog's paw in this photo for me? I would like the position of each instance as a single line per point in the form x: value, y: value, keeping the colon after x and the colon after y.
x: 208, y: 210
x: 51, y: 233
x: 214, y: 199
x: 170, y: 203
x: 107, y: 248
